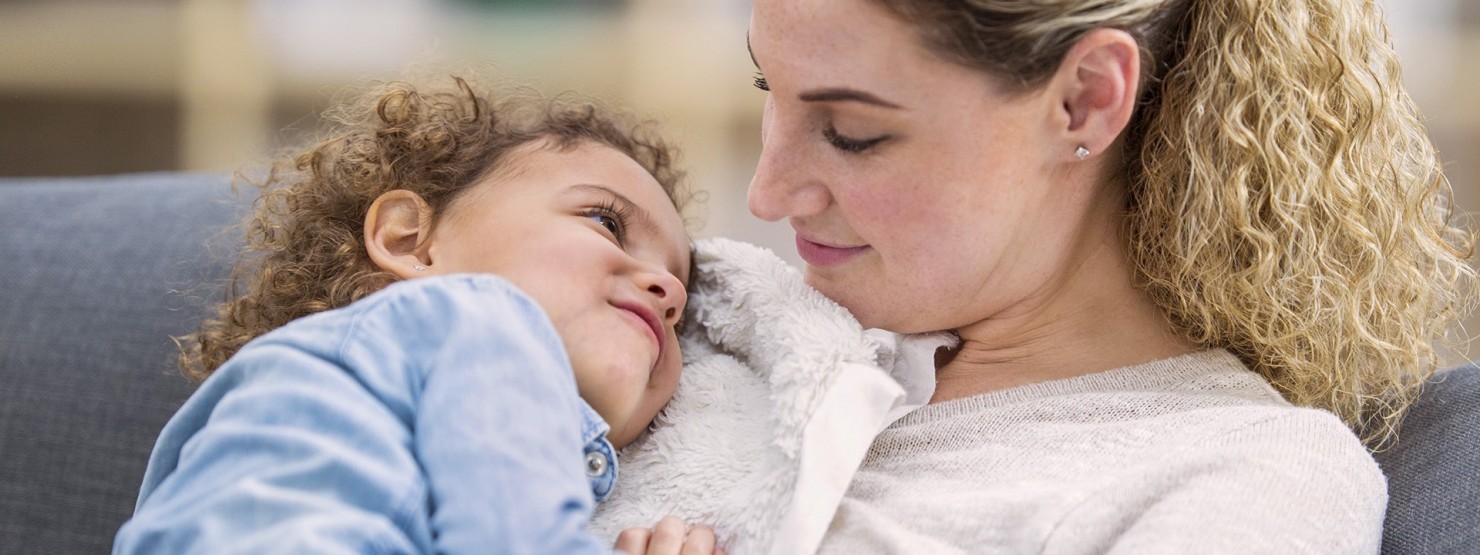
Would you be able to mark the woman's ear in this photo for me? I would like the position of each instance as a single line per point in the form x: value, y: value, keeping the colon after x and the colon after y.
x: 1098, y: 83
x: 397, y: 229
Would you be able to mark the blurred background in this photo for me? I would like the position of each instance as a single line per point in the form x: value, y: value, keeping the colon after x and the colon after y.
x: 109, y: 86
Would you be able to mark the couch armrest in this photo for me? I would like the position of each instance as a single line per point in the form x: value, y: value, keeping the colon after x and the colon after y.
x: 91, y: 271
x: 1434, y: 470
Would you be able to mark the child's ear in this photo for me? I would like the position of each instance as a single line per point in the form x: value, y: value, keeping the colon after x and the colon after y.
x: 396, y: 231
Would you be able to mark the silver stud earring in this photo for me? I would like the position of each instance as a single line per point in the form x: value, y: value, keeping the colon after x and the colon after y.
x: 1081, y: 152
x: 419, y: 267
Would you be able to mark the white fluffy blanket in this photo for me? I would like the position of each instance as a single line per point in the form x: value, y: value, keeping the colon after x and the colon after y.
x: 781, y: 394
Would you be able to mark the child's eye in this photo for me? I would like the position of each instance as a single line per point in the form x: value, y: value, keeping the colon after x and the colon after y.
x: 848, y: 144
x: 611, y: 218
x: 611, y: 224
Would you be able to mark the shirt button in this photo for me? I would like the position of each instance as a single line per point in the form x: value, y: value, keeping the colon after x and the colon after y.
x: 595, y: 464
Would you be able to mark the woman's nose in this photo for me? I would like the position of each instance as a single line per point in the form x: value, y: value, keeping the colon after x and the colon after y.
x: 784, y: 186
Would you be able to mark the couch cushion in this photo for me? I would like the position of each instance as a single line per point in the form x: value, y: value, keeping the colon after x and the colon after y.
x: 91, y: 275
x: 1434, y: 470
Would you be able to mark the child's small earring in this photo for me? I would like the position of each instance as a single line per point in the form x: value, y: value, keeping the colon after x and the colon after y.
x: 419, y: 267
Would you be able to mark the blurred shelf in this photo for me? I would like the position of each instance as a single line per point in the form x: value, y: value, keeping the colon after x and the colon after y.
x: 91, y: 46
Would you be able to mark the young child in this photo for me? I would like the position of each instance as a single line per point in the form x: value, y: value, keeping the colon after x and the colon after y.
x: 455, y: 310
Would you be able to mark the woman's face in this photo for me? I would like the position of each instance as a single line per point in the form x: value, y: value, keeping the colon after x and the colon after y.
x: 923, y: 197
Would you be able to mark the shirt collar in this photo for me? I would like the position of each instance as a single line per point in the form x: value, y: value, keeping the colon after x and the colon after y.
x: 601, y: 457
x: 593, y: 426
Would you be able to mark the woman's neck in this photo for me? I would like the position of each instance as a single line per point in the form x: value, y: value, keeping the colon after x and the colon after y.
x: 1095, y: 320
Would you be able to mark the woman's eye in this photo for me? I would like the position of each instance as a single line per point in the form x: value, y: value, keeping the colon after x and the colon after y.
x: 760, y: 82
x: 850, y: 145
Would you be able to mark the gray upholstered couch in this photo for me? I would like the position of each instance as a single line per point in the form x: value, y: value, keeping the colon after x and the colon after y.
x: 96, y: 274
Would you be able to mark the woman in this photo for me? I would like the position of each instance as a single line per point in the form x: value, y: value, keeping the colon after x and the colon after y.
x: 1192, y: 249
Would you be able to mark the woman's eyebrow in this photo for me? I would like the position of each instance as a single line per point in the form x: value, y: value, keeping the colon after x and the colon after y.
x: 832, y: 94
x: 839, y: 94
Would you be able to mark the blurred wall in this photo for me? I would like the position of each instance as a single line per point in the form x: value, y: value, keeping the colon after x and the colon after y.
x: 100, y: 86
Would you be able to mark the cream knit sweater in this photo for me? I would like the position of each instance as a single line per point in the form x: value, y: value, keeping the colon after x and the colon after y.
x: 1193, y: 454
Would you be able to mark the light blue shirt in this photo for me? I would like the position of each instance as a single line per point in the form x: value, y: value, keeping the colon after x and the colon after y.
x: 439, y: 415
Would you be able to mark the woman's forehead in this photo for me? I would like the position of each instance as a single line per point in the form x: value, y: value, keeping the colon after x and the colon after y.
x: 837, y: 44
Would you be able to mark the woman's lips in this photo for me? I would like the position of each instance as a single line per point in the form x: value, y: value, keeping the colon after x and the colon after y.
x: 818, y: 254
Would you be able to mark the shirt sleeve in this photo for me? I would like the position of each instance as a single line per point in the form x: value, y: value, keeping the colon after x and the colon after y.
x: 1299, y: 482
x: 439, y: 415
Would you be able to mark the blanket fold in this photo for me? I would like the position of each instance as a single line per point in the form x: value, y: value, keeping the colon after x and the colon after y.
x: 781, y: 395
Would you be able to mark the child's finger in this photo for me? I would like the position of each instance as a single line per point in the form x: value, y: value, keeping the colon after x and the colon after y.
x: 700, y: 541
x: 633, y: 541
x: 667, y: 537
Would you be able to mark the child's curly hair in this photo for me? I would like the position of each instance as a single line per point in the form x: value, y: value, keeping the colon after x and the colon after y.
x: 305, y: 250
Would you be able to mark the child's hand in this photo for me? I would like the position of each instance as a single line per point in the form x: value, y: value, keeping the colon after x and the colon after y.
x: 668, y: 538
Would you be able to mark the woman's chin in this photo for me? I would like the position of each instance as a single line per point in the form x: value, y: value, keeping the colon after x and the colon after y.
x: 864, y: 305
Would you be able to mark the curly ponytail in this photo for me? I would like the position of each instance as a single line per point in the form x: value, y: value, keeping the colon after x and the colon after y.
x: 1288, y: 206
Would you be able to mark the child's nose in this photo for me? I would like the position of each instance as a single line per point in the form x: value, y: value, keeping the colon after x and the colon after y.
x: 670, y: 294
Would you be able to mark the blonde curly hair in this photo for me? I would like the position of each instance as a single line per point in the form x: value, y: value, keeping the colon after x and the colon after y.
x: 305, y: 250
x: 1284, y: 200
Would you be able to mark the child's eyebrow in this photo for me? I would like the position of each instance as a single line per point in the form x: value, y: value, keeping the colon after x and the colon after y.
x: 637, y: 212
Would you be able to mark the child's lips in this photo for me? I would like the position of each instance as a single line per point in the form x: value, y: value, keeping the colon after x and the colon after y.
x: 649, y: 321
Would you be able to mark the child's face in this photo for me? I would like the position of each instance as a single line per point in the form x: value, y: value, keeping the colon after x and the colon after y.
x: 591, y: 236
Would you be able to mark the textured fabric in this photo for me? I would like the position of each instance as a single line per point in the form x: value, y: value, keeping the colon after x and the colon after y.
x: 1193, y: 454
x: 781, y: 394
x: 1434, y: 470
x: 96, y: 274
x: 439, y: 415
